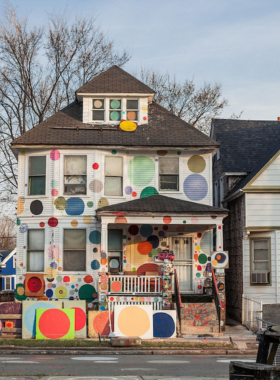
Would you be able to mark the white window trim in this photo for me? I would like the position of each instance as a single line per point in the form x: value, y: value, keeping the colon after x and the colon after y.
x: 107, y: 109
x: 123, y: 177
x: 93, y: 109
x: 26, y: 250
x: 180, y: 183
x: 61, y: 184
x: 26, y: 177
x: 6, y: 282
x: 61, y: 233
x: 253, y: 254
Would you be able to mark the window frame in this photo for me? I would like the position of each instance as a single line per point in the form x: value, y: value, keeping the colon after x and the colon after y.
x: 94, y: 109
x: 63, y: 171
x: 104, y: 168
x: 178, y: 175
x: 252, y: 239
x: 133, y: 110
x: 115, y: 109
x: 107, y: 109
x: 27, y: 250
x: 28, y: 156
x: 62, y: 250
x: 10, y: 278
x: 115, y: 250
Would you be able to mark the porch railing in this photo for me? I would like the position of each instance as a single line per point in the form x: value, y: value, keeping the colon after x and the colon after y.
x: 177, y: 296
x: 134, y: 284
x: 216, y: 296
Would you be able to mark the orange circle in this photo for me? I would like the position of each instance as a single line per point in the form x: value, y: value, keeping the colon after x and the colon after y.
x: 103, y: 261
x: 195, y: 256
x: 103, y: 287
x: 167, y: 219
x: 133, y: 321
x: 116, y: 286
x: 145, y: 247
x: 131, y: 115
x: 218, y: 257
x: 214, y: 263
x: 149, y: 259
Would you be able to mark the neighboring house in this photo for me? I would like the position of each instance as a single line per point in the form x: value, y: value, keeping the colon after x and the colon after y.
x: 8, y: 269
x: 96, y: 198
x: 246, y: 174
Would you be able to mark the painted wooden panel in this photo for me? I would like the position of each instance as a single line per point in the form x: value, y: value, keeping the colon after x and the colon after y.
x: 270, y: 176
x: 80, y: 317
x: 164, y: 324
x: 55, y: 324
x: 99, y: 323
x: 134, y: 321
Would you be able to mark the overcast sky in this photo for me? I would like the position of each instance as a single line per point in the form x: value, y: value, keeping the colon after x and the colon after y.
x: 235, y: 42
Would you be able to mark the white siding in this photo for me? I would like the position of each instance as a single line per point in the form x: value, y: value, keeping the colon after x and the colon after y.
x: 263, y: 210
x: 270, y: 176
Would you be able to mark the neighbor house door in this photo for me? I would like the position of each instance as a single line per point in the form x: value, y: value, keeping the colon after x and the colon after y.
x: 183, y: 263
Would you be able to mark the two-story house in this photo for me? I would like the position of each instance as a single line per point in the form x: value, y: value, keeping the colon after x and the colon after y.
x: 246, y: 181
x: 106, y: 184
x: 8, y: 269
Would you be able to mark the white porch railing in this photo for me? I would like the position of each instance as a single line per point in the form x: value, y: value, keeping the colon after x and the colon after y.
x: 155, y: 302
x: 251, y: 308
x: 134, y: 284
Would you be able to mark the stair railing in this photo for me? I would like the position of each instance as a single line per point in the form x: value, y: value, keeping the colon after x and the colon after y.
x: 216, y: 296
x: 177, y: 297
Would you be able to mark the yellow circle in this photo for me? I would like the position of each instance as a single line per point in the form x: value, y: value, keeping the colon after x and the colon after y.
x: 133, y: 256
x: 87, y: 220
x: 128, y: 126
x: 103, y: 202
x: 74, y: 223
x: 73, y: 279
x: 50, y: 273
x: 144, y: 108
x: 214, y: 263
x: 133, y: 321
x: 20, y: 290
x: 97, y: 104
x: 196, y: 164
x: 197, y: 248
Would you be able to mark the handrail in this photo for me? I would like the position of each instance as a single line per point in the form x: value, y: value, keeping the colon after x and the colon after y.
x: 178, y: 299
x: 216, y: 295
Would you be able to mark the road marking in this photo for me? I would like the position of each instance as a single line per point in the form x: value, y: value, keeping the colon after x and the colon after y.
x: 167, y: 361
x: 138, y: 369
x: 236, y: 360
x: 102, y: 361
x: 94, y: 358
x: 18, y: 362
x: 5, y: 358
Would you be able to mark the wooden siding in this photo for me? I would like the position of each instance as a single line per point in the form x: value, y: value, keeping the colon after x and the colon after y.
x: 270, y: 176
x: 263, y: 210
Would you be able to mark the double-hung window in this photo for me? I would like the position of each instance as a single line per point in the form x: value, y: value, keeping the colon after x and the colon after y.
x: 113, y: 175
x: 75, y: 175
x: 98, y: 110
x: 35, y: 250
x: 7, y: 283
x: 132, y: 110
x: 260, y: 255
x: 37, y: 175
x: 115, y: 109
x: 115, y: 250
x: 74, y: 250
x: 169, y: 173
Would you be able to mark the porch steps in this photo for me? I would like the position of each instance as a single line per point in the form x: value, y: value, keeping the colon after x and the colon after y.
x: 198, y: 319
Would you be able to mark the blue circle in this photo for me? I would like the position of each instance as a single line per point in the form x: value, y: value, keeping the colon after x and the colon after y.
x: 53, y: 286
x: 154, y: 240
x: 101, y: 307
x: 95, y: 265
x: 49, y: 293
x: 164, y: 326
x: 146, y: 230
x: 29, y: 318
x: 75, y: 206
x: 195, y: 187
x: 53, y: 265
x: 95, y: 237
x: 72, y: 286
x: 161, y: 233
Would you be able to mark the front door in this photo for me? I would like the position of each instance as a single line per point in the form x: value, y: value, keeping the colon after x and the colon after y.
x: 183, y: 263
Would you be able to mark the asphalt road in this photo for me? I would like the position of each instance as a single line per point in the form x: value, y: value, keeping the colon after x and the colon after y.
x: 120, y: 365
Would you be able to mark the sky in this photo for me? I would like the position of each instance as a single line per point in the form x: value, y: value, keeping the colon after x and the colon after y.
x: 236, y: 43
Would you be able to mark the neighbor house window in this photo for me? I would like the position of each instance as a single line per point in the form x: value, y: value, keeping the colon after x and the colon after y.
x: 75, y: 175
x: 132, y: 110
x: 37, y: 175
x: 113, y: 175
x: 260, y: 255
x: 7, y: 283
x: 35, y: 250
x: 169, y: 173
x: 98, y: 110
x: 115, y: 109
x: 115, y: 250
x: 74, y: 250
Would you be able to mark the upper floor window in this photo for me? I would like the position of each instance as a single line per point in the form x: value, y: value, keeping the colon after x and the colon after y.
x: 132, y: 110
x: 37, y: 175
x: 260, y: 261
x: 169, y: 173
x: 74, y: 250
x: 115, y: 250
x: 113, y: 175
x: 114, y: 110
x: 98, y: 110
x: 35, y: 250
x: 75, y: 175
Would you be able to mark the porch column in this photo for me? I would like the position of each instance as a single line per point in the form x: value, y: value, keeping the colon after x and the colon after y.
x: 220, y: 275
x: 103, y: 283
x: 104, y: 236
x: 219, y: 237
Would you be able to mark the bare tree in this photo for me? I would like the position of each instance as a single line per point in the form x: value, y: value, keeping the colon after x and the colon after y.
x: 197, y: 106
x: 40, y: 69
x: 7, y: 233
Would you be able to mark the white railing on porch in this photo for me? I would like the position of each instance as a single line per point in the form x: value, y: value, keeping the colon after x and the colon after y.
x: 251, y: 308
x: 136, y: 284
x: 157, y: 305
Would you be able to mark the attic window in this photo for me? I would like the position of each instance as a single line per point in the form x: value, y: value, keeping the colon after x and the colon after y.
x: 98, y: 110
x: 132, y: 110
x: 115, y: 109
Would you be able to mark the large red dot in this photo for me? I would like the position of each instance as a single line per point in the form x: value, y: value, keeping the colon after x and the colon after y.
x: 134, y: 194
x: 52, y: 222
x: 80, y: 318
x: 116, y: 286
x: 54, y: 324
x: 42, y: 224
x: 101, y: 323
x: 95, y: 166
x: 66, y: 279
x: 34, y: 284
x: 167, y: 219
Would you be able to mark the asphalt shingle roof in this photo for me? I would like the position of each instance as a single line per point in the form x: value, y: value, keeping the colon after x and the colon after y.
x: 161, y: 203
x: 244, y: 143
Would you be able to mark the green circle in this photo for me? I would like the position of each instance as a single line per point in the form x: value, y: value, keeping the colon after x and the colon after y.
x: 114, y: 151
x: 61, y: 292
x: 23, y: 296
x: 115, y: 104
x: 72, y: 292
x: 163, y: 244
x: 123, y: 111
x: 79, y: 279
x: 154, y: 252
x: 124, y: 237
x: 114, y: 115
x: 86, y: 292
x: 18, y: 222
x: 184, y: 222
x: 202, y: 259
x: 90, y: 204
x: 58, y: 278
x: 148, y: 191
x: 141, y: 170
x: 133, y: 269
x: 198, y: 275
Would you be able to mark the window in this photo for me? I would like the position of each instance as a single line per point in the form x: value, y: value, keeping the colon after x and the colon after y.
x: 98, y: 110
x: 260, y: 255
x: 115, y: 109
x: 37, y: 175
x: 132, y: 110
x: 35, y: 250
x: 113, y: 175
x: 74, y: 250
x: 7, y: 283
x: 169, y: 173
x: 115, y: 250
x: 75, y: 175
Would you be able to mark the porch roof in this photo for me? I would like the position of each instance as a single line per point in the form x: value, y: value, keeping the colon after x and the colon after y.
x: 160, y: 204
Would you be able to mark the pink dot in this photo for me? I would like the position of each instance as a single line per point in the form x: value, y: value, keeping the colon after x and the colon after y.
x: 194, y: 219
x: 55, y: 155
x: 54, y: 192
x: 95, y: 166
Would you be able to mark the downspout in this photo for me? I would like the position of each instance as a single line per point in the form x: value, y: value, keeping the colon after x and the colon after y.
x: 276, y: 259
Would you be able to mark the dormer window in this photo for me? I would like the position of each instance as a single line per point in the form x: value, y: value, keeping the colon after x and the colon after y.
x: 112, y: 111
x: 98, y: 110
x: 132, y: 110
x: 115, y: 109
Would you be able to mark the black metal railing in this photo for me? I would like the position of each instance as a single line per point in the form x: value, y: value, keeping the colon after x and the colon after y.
x: 177, y: 297
x: 216, y: 296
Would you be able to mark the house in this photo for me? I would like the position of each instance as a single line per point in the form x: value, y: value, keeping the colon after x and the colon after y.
x: 246, y: 181
x: 8, y: 269
x: 105, y: 185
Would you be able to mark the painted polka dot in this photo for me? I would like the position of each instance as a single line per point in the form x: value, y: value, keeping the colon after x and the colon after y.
x: 202, y: 258
x: 87, y: 220
x: 52, y: 222
x: 133, y: 229
x: 141, y: 170
x: 195, y: 187
x: 96, y: 186
x: 74, y: 223
x: 54, y: 192
x: 146, y: 230
x: 95, y: 265
x: 148, y: 191
x: 196, y: 164
x: 134, y: 194
x: 95, y: 237
x: 90, y: 204
x: 144, y: 248
x: 167, y: 219
x: 103, y: 202
x: 42, y: 224
x: 55, y: 155
x: 95, y: 166
x: 128, y: 190
x: 162, y: 152
x: 194, y: 219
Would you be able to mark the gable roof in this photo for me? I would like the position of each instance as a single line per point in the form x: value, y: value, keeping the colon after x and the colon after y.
x: 115, y: 80
x: 244, y: 142
x: 6, y: 255
x: 161, y: 203
x: 66, y: 128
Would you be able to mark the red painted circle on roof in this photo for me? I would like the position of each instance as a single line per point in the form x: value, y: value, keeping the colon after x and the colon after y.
x: 34, y: 284
x: 54, y: 324
x: 165, y: 228
x: 80, y: 318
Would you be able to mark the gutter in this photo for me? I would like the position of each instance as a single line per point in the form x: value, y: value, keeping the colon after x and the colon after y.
x: 236, y: 194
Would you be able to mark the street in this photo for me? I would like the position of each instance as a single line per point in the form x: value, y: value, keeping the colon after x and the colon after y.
x: 121, y: 365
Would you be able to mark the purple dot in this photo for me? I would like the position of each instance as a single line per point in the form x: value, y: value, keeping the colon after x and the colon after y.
x: 179, y: 153
x: 128, y: 190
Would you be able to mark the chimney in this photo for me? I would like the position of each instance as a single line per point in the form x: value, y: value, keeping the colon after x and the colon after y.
x: 278, y: 118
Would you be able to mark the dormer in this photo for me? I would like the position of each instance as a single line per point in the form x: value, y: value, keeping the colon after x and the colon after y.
x: 113, y: 96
